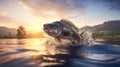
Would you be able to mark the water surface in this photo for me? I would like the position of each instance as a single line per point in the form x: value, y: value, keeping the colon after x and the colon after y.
x: 32, y: 53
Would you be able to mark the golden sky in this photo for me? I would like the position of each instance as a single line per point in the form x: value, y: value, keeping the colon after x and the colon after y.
x: 32, y: 14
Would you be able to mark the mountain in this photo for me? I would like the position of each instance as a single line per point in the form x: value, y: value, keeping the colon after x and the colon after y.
x: 12, y: 32
x: 113, y: 25
x: 4, y: 31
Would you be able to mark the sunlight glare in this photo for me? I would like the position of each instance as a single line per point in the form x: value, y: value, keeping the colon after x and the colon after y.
x: 36, y: 45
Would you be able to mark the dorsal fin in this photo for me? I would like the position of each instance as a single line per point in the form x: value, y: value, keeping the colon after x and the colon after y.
x: 70, y: 23
x: 67, y: 21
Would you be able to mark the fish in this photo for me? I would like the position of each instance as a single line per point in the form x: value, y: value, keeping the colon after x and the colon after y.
x: 64, y: 29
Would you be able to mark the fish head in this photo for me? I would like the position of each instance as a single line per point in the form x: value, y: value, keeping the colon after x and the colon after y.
x: 53, y: 29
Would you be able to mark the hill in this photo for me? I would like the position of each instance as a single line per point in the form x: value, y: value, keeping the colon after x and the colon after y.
x: 109, y: 31
x: 4, y: 31
x: 113, y: 25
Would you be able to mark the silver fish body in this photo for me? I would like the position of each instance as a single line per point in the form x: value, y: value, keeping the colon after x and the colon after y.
x: 62, y: 29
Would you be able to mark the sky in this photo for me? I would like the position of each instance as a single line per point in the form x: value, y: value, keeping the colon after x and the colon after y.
x: 32, y: 14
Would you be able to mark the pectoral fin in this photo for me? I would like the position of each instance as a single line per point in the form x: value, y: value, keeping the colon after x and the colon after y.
x: 58, y: 40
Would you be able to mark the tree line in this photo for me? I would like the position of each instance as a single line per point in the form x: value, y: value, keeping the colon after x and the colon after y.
x: 21, y: 33
x: 106, y: 34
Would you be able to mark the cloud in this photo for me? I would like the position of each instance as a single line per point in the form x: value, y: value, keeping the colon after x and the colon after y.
x: 54, y: 8
x: 6, y: 20
x: 112, y: 4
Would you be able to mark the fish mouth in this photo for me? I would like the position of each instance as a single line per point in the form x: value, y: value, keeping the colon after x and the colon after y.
x: 46, y: 28
x: 50, y: 31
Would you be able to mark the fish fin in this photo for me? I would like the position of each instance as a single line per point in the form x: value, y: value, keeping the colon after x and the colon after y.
x: 58, y: 40
x: 70, y: 23
x: 67, y: 21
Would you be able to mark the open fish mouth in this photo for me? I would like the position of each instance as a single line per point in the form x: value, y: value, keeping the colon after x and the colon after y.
x: 48, y: 29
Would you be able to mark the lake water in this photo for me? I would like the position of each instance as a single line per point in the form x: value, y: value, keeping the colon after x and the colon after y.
x: 32, y: 53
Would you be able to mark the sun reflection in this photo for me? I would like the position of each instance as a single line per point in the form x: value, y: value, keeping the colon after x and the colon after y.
x: 36, y: 46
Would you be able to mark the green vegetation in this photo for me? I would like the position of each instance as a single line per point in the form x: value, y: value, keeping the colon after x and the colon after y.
x: 106, y: 34
x: 112, y: 37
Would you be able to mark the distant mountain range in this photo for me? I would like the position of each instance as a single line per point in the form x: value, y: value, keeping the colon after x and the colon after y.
x: 4, y: 31
x: 113, y: 25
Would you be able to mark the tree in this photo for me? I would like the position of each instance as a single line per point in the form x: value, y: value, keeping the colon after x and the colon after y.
x: 0, y: 36
x: 9, y: 35
x: 21, y: 32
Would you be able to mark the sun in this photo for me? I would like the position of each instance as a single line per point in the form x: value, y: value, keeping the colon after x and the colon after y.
x: 34, y: 29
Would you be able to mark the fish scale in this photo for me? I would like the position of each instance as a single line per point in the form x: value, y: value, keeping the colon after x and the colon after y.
x: 66, y: 30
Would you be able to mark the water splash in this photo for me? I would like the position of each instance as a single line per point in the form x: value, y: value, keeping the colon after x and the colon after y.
x: 54, y: 47
x: 86, y: 39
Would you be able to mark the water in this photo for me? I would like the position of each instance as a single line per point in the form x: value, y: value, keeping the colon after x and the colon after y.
x: 32, y: 53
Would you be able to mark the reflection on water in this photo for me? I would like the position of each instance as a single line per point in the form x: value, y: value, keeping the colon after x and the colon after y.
x: 33, y: 53
x: 15, y: 52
